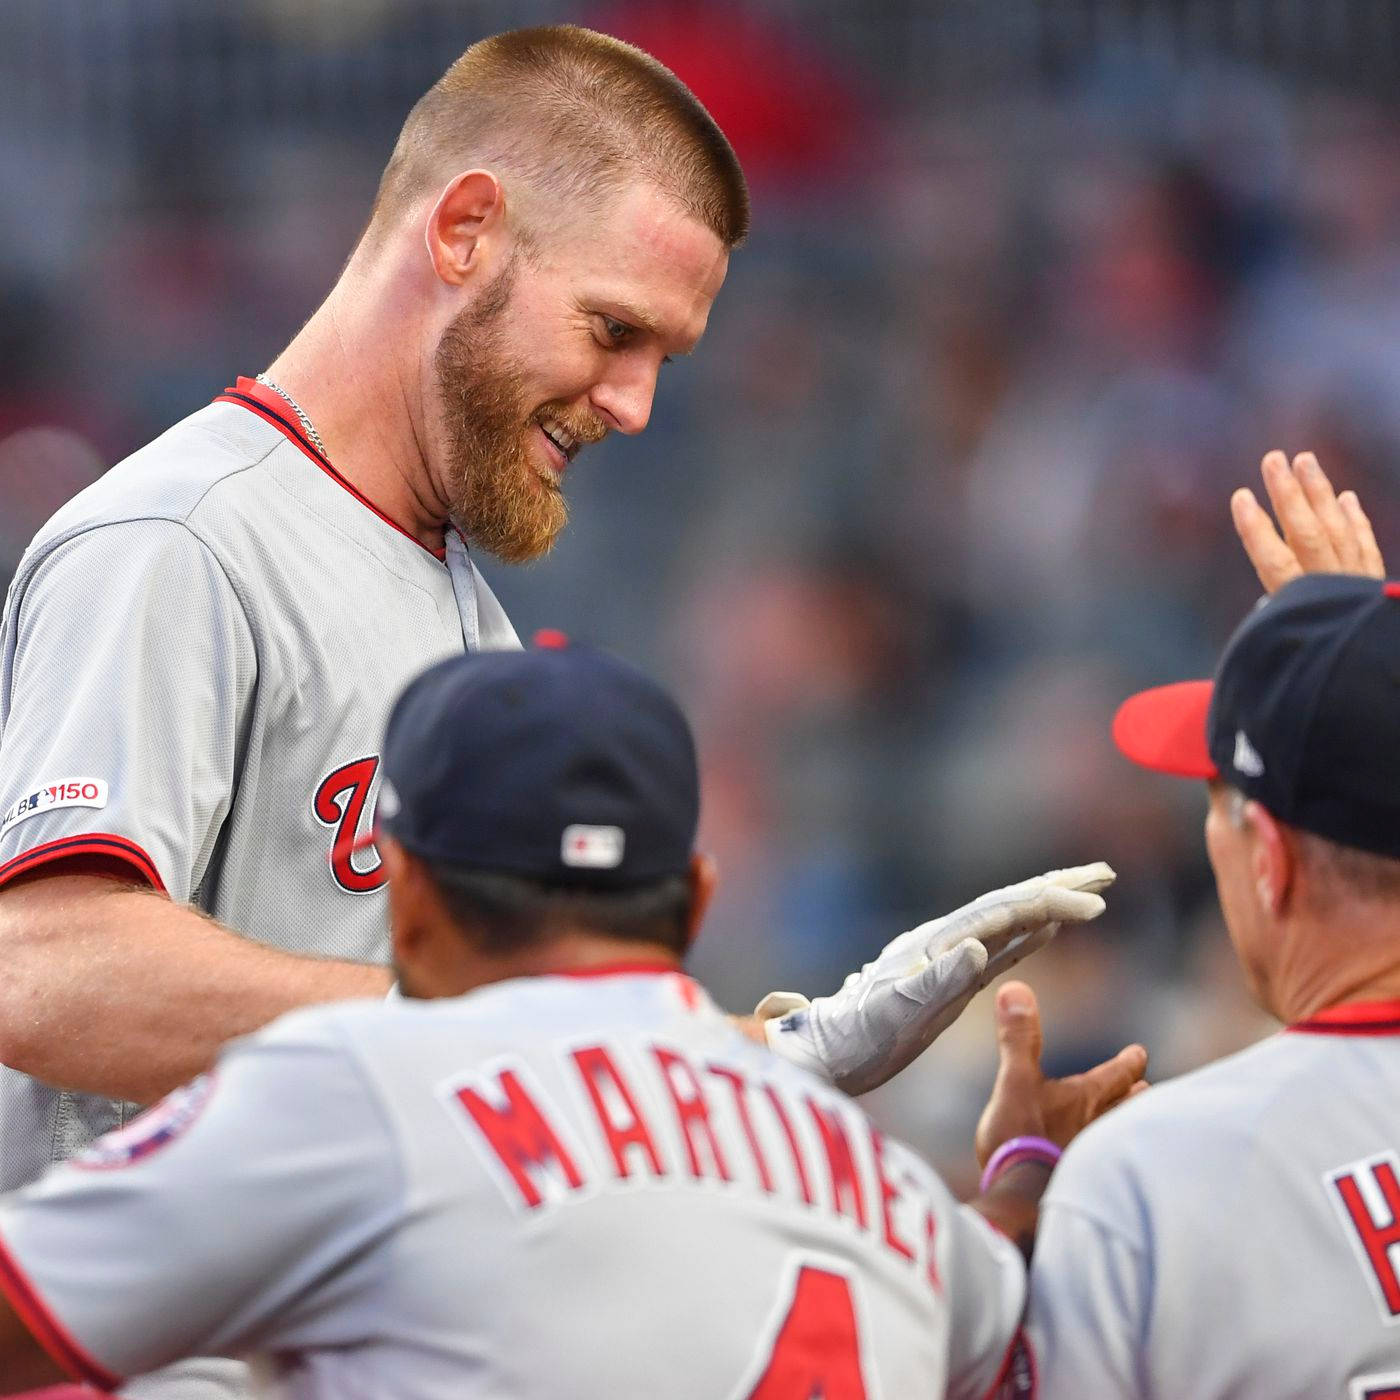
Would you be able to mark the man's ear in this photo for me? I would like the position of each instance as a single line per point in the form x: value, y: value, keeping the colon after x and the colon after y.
x: 1273, y: 858
x: 704, y: 878
x: 410, y: 894
x: 466, y: 227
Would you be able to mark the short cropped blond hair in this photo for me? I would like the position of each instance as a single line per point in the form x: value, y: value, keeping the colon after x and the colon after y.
x: 573, y: 115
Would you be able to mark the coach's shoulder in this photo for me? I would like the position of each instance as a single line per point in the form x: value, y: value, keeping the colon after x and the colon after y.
x: 313, y: 1053
x: 1174, y: 1129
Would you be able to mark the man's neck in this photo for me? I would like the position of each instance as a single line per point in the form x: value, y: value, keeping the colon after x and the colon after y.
x: 357, y: 384
x: 570, y: 954
x: 1351, y: 957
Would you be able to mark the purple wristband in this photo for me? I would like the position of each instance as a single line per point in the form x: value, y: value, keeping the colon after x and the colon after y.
x: 1018, y: 1149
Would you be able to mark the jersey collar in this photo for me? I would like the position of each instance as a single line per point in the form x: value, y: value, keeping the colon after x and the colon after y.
x: 629, y: 968
x: 271, y: 407
x: 1353, y: 1018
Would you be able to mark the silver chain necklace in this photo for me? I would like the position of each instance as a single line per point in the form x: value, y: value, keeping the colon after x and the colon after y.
x: 299, y: 411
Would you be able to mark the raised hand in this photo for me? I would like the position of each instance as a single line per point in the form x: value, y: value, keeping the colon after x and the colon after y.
x: 1029, y: 1116
x: 1318, y: 531
x: 1024, y: 1103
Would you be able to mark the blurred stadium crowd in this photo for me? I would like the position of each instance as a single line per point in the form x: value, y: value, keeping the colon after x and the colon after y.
x: 946, y: 481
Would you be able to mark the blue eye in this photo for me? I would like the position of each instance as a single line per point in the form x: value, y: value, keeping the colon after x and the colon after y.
x: 617, y: 330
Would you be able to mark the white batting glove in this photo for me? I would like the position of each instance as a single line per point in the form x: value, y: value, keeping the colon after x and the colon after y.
x: 890, y: 1011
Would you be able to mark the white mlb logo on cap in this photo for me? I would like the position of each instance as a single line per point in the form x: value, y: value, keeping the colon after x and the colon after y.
x: 592, y: 847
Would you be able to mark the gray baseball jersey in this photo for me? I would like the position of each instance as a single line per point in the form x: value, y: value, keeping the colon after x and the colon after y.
x: 582, y: 1186
x: 200, y: 652
x: 1234, y: 1233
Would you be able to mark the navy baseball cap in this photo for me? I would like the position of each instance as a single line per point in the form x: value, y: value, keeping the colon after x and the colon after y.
x: 1303, y: 714
x: 560, y: 763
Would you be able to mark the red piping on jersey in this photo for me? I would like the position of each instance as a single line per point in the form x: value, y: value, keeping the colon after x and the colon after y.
x: 1353, y: 1018
x: 638, y: 966
x: 47, y: 1330
x: 1002, y: 1371
x: 267, y: 404
x: 87, y: 843
x: 1020, y: 1344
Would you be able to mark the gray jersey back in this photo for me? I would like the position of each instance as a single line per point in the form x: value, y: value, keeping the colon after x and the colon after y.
x: 555, y: 1186
x: 1234, y: 1233
x: 199, y: 656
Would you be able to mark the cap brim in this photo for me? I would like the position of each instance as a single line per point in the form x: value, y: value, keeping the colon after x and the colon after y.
x: 1165, y: 729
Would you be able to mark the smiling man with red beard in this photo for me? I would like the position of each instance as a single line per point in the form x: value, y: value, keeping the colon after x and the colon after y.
x: 199, y: 652
x: 506, y: 492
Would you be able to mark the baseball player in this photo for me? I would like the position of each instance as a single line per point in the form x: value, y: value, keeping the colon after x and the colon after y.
x: 570, y: 1176
x: 1234, y: 1232
x: 199, y: 651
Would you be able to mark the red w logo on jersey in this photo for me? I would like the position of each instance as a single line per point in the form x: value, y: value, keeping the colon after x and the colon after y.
x: 340, y: 803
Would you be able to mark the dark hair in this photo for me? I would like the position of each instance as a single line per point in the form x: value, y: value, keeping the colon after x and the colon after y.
x: 572, y: 113
x: 506, y: 912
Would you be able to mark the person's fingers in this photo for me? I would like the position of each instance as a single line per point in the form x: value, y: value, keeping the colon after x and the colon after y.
x: 948, y: 976
x: 1272, y: 559
x: 999, y: 926
x: 1302, y: 530
x: 1141, y: 1087
x: 1370, y: 561
x: 1107, y: 1083
x: 999, y: 917
x: 1330, y: 516
x: 1095, y: 877
x: 1018, y: 1032
x: 1114, y: 1096
x: 1018, y: 949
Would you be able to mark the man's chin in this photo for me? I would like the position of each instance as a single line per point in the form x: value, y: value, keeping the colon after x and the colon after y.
x: 516, y: 513
x: 513, y: 547
x: 524, y: 553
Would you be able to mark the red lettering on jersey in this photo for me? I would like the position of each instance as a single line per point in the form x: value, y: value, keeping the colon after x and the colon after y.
x: 600, y: 1073
x: 799, y: 1167
x: 930, y: 1240
x: 1377, y: 1237
x: 817, y: 1349
x: 692, y: 1112
x: 739, y: 1085
x: 846, y: 1190
x: 520, y: 1135
x: 340, y: 804
x: 889, y: 1193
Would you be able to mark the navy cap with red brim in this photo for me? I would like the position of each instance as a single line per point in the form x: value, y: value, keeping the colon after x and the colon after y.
x: 1165, y: 729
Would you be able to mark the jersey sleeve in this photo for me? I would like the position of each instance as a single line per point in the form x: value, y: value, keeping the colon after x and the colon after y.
x: 240, y: 1214
x: 1090, y: 1285
x: 985, y: 1278
x: 128, y: 669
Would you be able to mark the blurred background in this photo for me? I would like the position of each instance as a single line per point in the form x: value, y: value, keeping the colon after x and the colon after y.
x: 1032, y: 286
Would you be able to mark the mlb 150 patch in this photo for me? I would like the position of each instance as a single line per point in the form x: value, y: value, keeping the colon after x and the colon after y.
x: 66, y: 792
x: 158, y: 1126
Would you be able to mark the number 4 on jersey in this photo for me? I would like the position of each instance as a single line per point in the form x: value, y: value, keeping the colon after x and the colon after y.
x: 816, y: 1353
